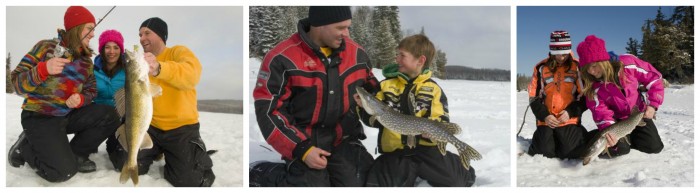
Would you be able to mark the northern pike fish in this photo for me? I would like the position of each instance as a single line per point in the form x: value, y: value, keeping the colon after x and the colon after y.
x: 440, y: 132
x: 135, y: 103
x: 619, y: 129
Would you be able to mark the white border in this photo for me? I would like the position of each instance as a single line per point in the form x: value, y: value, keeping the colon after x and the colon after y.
x: 246, y: 3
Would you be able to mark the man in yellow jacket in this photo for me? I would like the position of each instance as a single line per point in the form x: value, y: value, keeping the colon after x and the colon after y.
x: 174, y: 128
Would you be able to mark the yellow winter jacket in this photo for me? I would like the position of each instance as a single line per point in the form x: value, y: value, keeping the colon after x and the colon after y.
x: 430, y: 103
x: 179, y: 75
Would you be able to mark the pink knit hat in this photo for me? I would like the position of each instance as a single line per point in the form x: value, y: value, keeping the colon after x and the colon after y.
x: 592, y: 49
x: 111, y: 36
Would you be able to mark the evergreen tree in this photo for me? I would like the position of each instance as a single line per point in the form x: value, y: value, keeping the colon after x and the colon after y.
x: 440, y: 63
x: 667, y: 44
x: 395, y: 24
x: 646, y: 38
x: 255, y: 29
x: 385, y: 45
x: 360, y: 29
x: 272, y: 29
x: 8, y: 81
x: 633, y: 47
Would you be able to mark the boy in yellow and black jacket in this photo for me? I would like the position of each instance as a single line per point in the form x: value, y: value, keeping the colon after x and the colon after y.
x: 408, y: 88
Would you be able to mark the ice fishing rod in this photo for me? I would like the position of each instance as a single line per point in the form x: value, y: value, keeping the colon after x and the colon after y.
x: 521, y: 125
x: 59, y: 51
x: 98, y: 22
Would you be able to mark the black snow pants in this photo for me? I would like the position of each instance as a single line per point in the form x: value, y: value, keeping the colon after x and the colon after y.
x: 402, y: 167
x: 561, y: 142
x: 48, y: 149
x: 186, y: 160
x: 347, y: 166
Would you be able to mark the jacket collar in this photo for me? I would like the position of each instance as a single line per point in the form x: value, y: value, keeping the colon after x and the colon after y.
x: 303, y: 28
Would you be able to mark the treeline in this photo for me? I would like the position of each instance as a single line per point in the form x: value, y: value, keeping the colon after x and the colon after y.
x: 667, y: 43
x: 468, y: 73
x: 521, y: 82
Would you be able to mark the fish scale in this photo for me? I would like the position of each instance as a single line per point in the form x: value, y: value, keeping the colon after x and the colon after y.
x: 440, y: 132
x: 620, y: 129
x: 135, y: 103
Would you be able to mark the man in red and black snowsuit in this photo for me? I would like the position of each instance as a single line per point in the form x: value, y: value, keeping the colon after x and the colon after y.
x: 304, y: 105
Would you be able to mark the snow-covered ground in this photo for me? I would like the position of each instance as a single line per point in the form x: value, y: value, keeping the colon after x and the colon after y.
x: 481, y: 108
x: 672, y: 167
x: 222, y: 132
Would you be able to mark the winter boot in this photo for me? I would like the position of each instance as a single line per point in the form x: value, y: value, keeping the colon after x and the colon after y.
x: 260, y: 171
x: 14, y: 157
x: 85, y: 165
x: 208, y: 178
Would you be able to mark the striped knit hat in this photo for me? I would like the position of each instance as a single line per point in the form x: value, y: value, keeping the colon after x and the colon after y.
x: 559, y: 43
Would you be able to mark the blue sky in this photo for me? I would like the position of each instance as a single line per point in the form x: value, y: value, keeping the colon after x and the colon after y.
x: 614, y: 24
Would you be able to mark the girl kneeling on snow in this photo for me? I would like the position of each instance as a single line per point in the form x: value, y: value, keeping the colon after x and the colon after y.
x: 611, y: 86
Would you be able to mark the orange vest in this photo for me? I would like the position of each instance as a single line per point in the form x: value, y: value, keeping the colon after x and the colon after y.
x: 558, y: 87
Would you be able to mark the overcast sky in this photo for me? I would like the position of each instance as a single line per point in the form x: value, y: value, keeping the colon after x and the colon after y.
x: 477, y: 37
x: 214, y: 34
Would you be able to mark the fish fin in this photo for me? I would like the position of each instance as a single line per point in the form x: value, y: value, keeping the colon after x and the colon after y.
x: 129, y: 171
x: 626, y: 140
x: 464, y: 158
x: 120, y: 101
x: 635, y: 109
x: 586, y: 160
x: 642, y: 123
x: 412, y: 101
x: 146, y: 143
x: 608, y: 152
x: 160, y: 157
x: 372, y: 119
x: 467, y: 153
x: 155, y: 90
x: 411, y: 141
x: 121, y: 136
x: 442, y: 146
x: 452, y: 128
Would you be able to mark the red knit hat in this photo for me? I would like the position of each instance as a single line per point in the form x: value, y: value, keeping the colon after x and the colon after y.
x: 111, y: 36
x: 77, y: 15
x: 592, y: 49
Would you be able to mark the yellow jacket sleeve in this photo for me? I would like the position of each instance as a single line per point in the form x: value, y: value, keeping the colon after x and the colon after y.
x: 179, y: 68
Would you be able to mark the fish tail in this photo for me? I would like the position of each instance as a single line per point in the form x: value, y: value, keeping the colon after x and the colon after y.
x: 129, y: 170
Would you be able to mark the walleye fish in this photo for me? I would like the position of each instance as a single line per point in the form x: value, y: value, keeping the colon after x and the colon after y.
x: 135, y: 103
x: 619, y: 130
x: 440, y: 132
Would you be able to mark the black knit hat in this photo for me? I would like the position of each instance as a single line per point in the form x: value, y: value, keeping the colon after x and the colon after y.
x: 157, y: 25
x: 324, y: 15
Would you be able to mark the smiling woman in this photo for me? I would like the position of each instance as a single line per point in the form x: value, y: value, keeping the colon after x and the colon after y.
x: 188, y: 73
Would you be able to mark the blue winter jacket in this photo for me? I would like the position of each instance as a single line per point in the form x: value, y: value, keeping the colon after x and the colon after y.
x: 106, y: 86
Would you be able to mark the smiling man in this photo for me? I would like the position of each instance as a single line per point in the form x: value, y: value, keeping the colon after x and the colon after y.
x: 304, y: 105
x: 174, y: 128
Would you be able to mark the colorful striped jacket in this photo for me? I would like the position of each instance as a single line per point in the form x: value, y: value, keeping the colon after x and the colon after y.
x: 47, y: 94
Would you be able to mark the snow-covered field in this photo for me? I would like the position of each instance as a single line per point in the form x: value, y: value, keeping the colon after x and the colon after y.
x: 481, y: 108
x: 222, y: 132
x: 672, y: 167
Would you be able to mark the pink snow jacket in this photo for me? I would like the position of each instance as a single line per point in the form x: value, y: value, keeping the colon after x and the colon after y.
x: 610, y: 103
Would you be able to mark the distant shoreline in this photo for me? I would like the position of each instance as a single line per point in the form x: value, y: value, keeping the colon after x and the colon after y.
x: 221, y: 106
